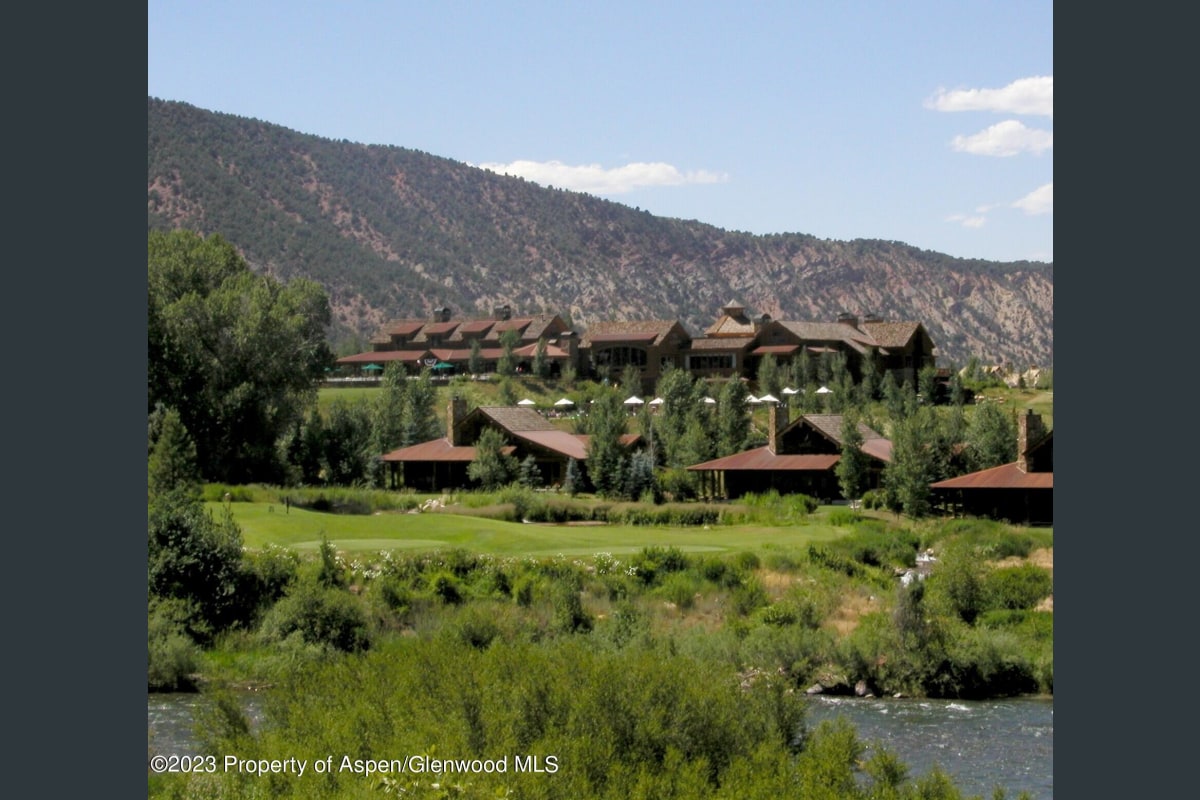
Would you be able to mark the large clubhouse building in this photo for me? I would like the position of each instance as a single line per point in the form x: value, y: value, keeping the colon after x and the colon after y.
x: 734, y: 344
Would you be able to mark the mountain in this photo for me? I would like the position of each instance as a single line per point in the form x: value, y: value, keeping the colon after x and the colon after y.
x: 394, y: 232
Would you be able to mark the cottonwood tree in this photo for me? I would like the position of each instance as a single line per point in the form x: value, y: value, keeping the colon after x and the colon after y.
x: 238, y: 355
x: 733, y: 421
x: 991, y: 438
x: 606, y: 456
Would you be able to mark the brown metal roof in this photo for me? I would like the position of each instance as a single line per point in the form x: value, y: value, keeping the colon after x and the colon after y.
x: 775, y: 349
x: 439, y: 328
x: 830, y: 426
x: 1007, y: 476
x: 436, y: 450
x: 762, y: 459
x: 476, y: 326
x: 383, y: 355
x: 402, y: 327
x: 558, y: 441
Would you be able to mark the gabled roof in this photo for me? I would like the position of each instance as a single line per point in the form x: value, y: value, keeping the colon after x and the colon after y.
x: 638, y: 331
x: 891, y: 334
x: 830, y: 426
x: 514, y: 418
x: 1007, y: 476
x: 403, y: 327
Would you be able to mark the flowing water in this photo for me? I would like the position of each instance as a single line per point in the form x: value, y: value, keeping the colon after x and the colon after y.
x: 980, y: 744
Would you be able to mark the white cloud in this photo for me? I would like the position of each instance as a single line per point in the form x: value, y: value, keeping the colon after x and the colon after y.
x: 967, y: 221
x: 1024, y: 96
x: 1039, y: 201
x: 597, y: 180
x: 1006, y: 138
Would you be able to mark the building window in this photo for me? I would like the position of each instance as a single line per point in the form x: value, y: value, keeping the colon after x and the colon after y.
x: 620, y: 356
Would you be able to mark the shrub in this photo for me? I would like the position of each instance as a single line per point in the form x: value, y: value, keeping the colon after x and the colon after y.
x: 1018, y: 587
x: 749, y: 597
x: 320, y: 615
x: 841, y: 517
x: 173, y: 656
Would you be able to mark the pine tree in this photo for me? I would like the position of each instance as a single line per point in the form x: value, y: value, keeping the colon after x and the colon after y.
x: 172, y: 464
x: 529, y: 475
x: 852, y: 466
x: 492, y: 468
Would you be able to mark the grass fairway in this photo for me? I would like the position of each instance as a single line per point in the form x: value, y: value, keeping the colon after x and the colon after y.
x: 263, y: 524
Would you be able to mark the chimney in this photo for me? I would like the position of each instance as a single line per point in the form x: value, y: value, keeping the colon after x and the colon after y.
x: 1029, y: 430
x: 455, y: 414
x: 503, y: 312
x: 777, y: 420
x: 846, y: 318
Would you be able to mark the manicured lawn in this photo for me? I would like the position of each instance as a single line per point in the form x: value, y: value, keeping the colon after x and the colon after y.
x: 264, y: 524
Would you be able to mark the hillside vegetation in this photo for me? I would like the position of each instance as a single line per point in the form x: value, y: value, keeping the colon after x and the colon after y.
x: 391, y: 232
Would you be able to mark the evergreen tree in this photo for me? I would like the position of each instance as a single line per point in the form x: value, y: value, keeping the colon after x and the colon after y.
x: 927, y: 384
x: 868, y: 387
x: 475, y: 359
x: 573, y: 482
x: 541, y: 364
x: 529, y: 475
x: 492, y: 468
x: 639, y: 476
x: 172, y: 463
x: 769, y: 378
x: 507, y: 363
x: 852, y: 466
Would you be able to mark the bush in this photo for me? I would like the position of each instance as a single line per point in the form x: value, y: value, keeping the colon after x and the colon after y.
x: 842, y: 517
x: 321, y: 615
x: 1018, y: 587
x: 173, y: 656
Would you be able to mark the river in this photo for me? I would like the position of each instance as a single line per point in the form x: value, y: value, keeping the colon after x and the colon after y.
x: 980, y: 744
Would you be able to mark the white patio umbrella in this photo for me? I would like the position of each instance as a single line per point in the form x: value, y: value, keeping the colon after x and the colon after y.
x: 564, y: 402
x: 526, y: 402
x: 768, y: 398
x: 752, y: 400
x: 658, y: 401
x: 709, y: 401
x: 824, y: 390
x: 790, y: 390
x: 634, y: 401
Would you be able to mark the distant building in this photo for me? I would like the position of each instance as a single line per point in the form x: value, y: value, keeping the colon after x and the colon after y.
x: 734, y: 344
x: 800, y: 457
x: 442, y: 463
x: 1021, y: 492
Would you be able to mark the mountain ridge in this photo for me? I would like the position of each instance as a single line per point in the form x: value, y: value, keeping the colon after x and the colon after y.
x: 394, y: 232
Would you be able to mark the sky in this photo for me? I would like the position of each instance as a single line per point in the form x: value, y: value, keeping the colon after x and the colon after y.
x: 928, y: 123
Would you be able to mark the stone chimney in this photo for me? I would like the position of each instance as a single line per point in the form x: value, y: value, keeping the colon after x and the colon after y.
x: 777, y: 420
x: 503, y: 312
x: 455, y: 414
x: 1029, y: 430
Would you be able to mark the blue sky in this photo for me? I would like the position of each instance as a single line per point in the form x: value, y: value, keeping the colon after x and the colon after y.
x: 929, y: 123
